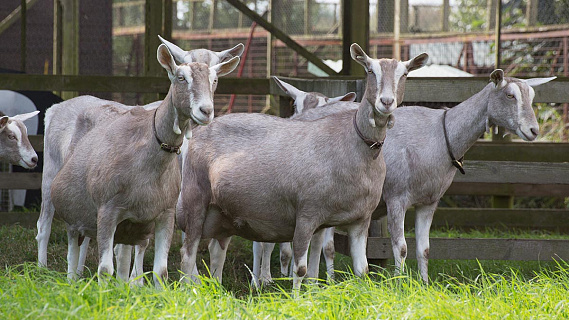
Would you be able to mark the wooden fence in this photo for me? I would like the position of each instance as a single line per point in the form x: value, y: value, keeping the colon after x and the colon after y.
x: 513, y: 169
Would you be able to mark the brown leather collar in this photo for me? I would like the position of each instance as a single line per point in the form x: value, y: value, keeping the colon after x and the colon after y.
x: 371, y: 143
x: 457, y: 163
x: 164, y: 146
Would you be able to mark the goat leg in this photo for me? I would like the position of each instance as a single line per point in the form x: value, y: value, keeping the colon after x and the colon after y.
x: 423, y: 220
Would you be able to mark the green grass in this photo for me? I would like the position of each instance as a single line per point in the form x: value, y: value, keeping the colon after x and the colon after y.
x: 458, y: 289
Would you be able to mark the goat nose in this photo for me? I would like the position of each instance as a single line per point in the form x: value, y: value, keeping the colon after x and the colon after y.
x: 535, y: 131
x: 35, y: 160
x: 386, y: 101
x: 206, y: 110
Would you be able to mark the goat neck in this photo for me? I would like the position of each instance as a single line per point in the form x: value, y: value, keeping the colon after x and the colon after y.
x: 166, y: 117
x: 466, y: 122
x: 370, y: 130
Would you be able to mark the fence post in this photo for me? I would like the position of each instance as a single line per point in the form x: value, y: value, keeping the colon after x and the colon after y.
x: 355, y: 28
x: 153, y: 17
x: 500, y: 201
x: 66, y: 40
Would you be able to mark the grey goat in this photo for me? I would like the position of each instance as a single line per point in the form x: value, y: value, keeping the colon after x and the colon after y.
x: 303, y: 101
x: 273, y: 180
x: 419, y: 160
x: 61, y: 129
x: 121, y: 181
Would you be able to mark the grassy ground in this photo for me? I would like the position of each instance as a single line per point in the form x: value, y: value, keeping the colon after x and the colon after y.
x: 458, y: 290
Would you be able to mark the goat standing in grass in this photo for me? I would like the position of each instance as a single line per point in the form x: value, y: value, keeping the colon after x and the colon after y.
x: 419, y: 159
x: 62, y: 133
x: 15, y: 147
x: 270, y: 179
x: 122, y: 179
x: 421, y: 148
x: 303, y: 101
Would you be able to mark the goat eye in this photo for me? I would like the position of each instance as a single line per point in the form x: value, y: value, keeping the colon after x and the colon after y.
x: 181, y: 78
x: 369, y: 71
x: 12, y: 137
x: 510, y: 96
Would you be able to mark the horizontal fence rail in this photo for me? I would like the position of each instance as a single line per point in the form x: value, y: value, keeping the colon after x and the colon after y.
x: 416, y: 89
x: 467, y: 249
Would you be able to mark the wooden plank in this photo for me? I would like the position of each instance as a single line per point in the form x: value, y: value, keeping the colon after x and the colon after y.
x: 459, y: 89
x: 514, y: 172
x: 519, y: 151
x: 37, y: 142
x: 259, y: 86
x: 514, y: 189
x: 282, y: 36
x: 20, y: 180
x: 355, y: 29
x: 25, y: 219
x: 550, y: 219
x: 468, y: 249
x: 70, y: 42
x: 417, y: 89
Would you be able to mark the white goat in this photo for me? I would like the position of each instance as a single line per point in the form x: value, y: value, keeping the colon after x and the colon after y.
x: 419, y: 160
x: 270, y: 179
x: 15, y: 147
x: 121, y: 181
x: 60, y: 130
x: 303, y: 101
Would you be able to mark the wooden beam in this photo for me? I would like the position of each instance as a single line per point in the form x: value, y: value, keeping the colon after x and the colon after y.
x: 70, y: 41
x: 20, y: 180
x: 167, y: 21
x: 258, y: 86
x: 550, y: 219
x: 57, y: 38
x: 355, y: 29
x: 153, y: 20
x: 459, y: 89
x: 514, y: 172
x: 417, y: 89
x: 15, y: 15
x: 23, y: 35
x: 508, y: 189
x: 25, y: 219
x: 468, y: 249
x: 282, y: 36
x: 519, y: 151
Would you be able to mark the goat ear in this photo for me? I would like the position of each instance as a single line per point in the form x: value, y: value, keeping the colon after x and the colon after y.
x: 359, y: 55
x: 226, y: 67
x: 497, y: 77
x: 25, y: 116
x: 533, y: 82
x: 417, y: 62
x: 3, y: 122
x: 350, y: 97
x: 236, y: 51
x: 176, y: 51
x: 166, y: 60
x: 289, y: 89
